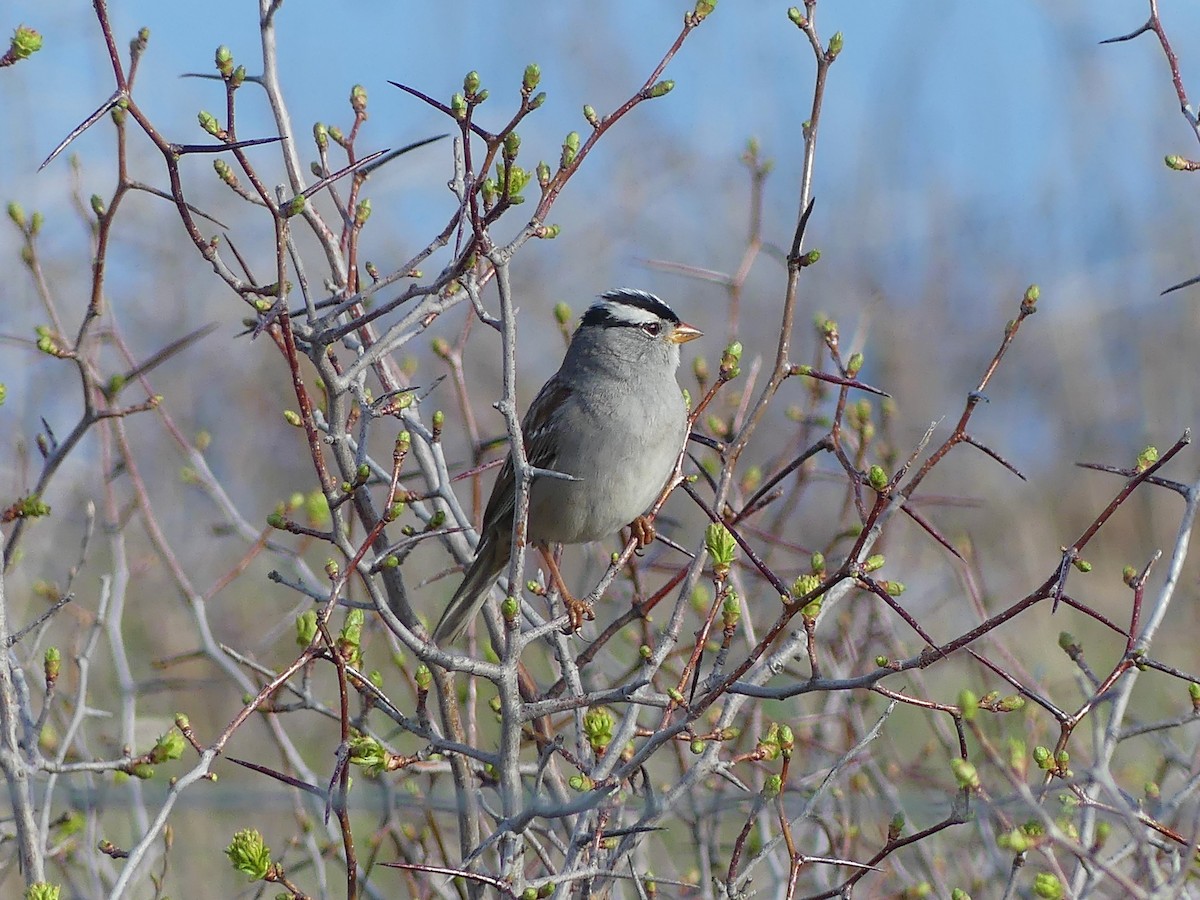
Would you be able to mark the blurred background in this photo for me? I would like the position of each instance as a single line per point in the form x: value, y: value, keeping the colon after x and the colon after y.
x: 965, y: 151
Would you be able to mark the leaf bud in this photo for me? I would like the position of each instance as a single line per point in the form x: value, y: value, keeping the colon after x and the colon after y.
x: 531, y: 78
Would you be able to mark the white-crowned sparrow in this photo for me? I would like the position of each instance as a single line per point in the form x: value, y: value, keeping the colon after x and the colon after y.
x: 613, y: 418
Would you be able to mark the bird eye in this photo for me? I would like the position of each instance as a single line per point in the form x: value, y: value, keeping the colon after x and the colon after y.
x: 652, y: 328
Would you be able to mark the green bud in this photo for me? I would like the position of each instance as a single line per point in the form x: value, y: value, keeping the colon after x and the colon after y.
x: 877, y: 478
x: 1178, y: 163
x: 1082, y: 565
x: 697, y: 747
x: 224, y: 60
x: 562, y: 313
x: 51, y: 663
x: 351, y: 631
x: 589, y: 113
x: 1147, y: 458
x: 1014, y: 841
x: 42, y: 890
x: 306, y: 628
x: 224, y: 172
x: 458, y: 106
x: 1043, y: 758
x: 787, y: 740
x: 169, y: 746
x: 797, y: 17
x: 471, y: 83
x: 510, y: 607
x: 1047, y: 886
x: 531, y: 78
x: 731, y: 610
x: 332, y: 568
x: 598, y: 727
x: 882, y: 662
x: 1032, y: 294
x: 16, y: 212
x: 31, y: 507
x: 276, y: 520
x: 835, y: 46
x: 965, y: 773
x: 661, y: 89
x: 731, y: 360
x: 543, y: 174
x: 321, y: 136
x: 570, y: 149
x: 368, y: 753
x: 142, y: 771
x: 968, y: 703
x: 424, y: 677
x: 721, y: 547
x: 358, y: 99
x: 772, y: 786
x: 512, y: 143
x: 874, y: 563
x: 805, y: 584
x: 703, y: 9
x: 580, y: 783
x: 209, y: 123
x: 362, y: 212
x: 316, y: 508
x: 292, y: 418
x: 238, y: 76
x: 1194, y: 695
x: 249, y: 854
x: 25, y: 42
x: 35, y: 223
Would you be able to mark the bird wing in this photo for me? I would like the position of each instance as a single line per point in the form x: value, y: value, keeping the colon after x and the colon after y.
x: 536, y: 433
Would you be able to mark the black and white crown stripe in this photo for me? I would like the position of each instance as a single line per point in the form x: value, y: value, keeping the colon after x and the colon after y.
x: 630, y: 308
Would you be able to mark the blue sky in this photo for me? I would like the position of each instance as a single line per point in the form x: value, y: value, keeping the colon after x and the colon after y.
x: 998, y: 141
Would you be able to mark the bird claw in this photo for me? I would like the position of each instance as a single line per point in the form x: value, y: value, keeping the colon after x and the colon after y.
x: 578, y: 611
x: 643, y: 532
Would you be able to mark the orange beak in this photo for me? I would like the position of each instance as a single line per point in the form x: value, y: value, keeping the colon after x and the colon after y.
x: 683, y: 333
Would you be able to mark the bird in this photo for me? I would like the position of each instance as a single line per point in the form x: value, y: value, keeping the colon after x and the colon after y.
x: 613, y: 420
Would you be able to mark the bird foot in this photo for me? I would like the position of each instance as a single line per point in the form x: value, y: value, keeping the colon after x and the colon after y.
x: 578, y: 611
x: 643, y: 531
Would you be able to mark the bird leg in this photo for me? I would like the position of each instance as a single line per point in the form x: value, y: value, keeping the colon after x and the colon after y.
x: 578, y: 610
x: 643, y: 532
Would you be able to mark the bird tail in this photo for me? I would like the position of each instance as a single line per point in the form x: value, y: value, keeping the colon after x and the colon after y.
x: 471, y: 594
